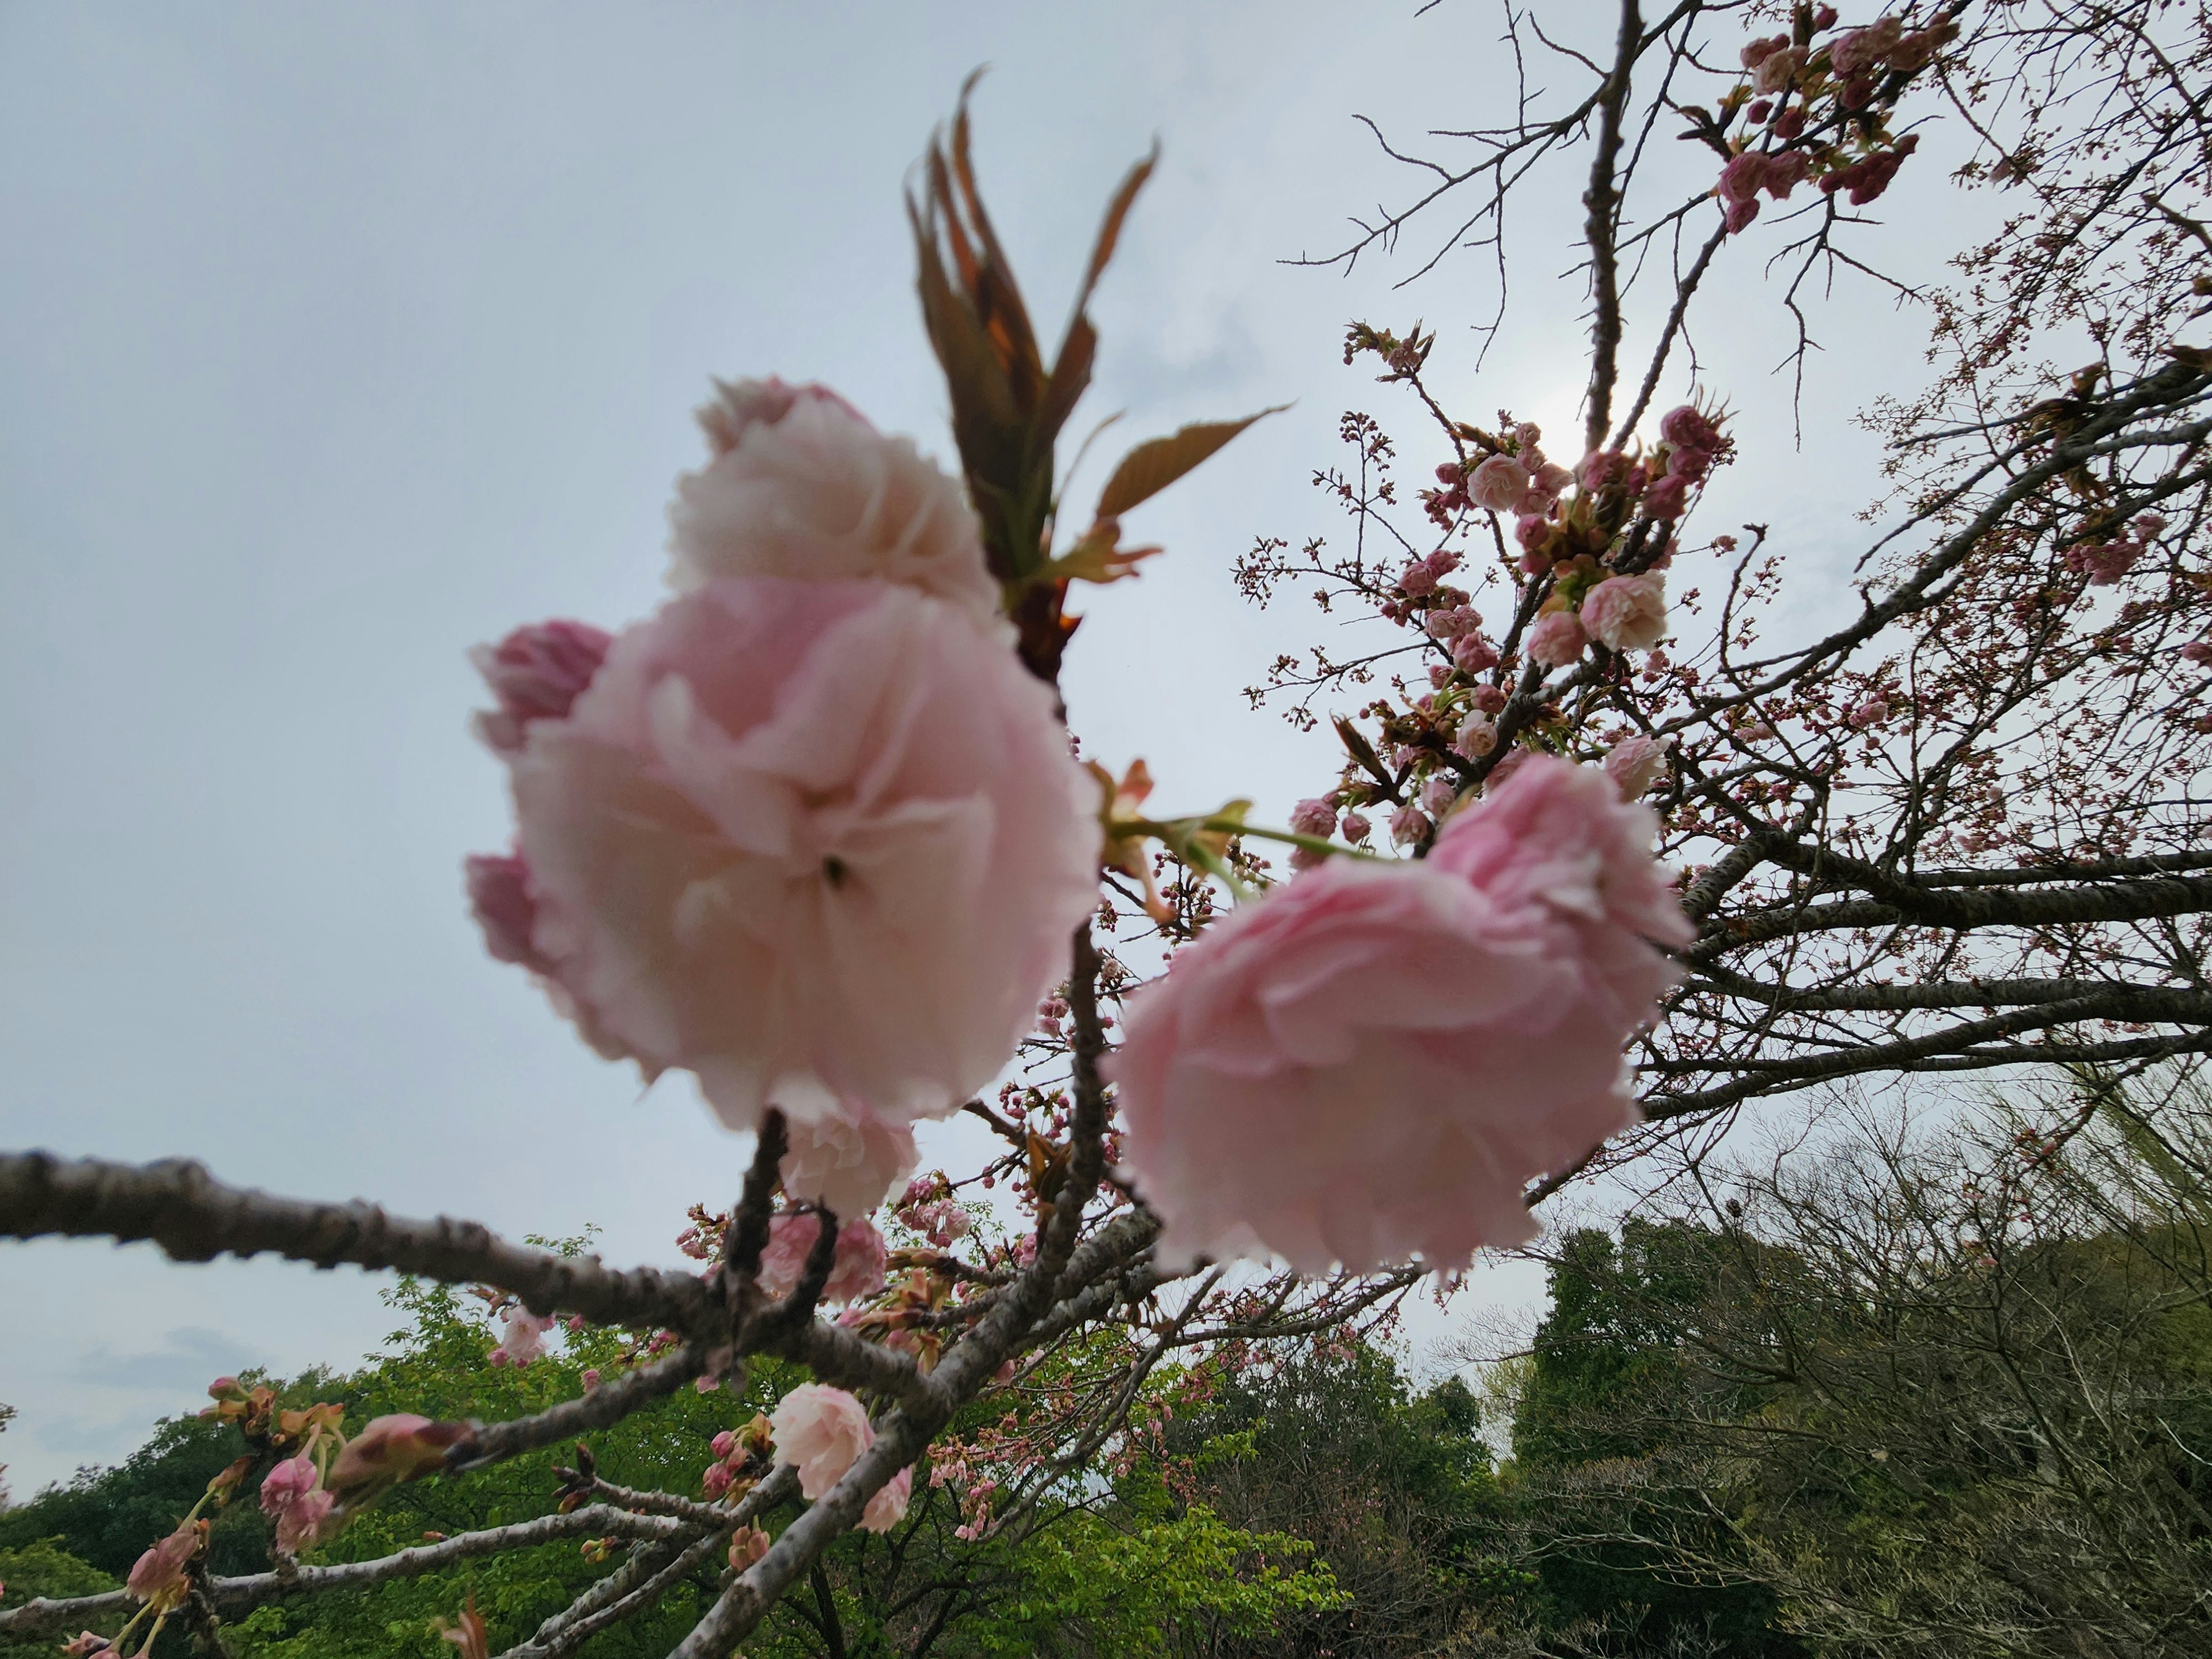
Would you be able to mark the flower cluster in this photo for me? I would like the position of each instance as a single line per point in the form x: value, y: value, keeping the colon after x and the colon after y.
x: 740, y: 1459
x: 1820, y: 105
x: 2106, y: 562
x: 811, y: 832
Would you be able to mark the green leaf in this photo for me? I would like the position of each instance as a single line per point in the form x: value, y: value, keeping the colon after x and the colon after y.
x: 1151, y: 466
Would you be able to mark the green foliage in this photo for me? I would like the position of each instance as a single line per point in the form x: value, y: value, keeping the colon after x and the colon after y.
x: 43, y: 1568
x: 1605, y: 1393
x: 1119, y: 1587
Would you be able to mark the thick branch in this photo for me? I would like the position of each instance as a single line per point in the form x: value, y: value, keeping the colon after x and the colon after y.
x: 178, y: 1206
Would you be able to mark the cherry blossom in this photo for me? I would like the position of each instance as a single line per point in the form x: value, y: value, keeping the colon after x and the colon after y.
x: 758, y: 848
x: 888, y: 1507
x: 801, y: 485
x: 1626, y: 613
x: 821, y: 1431
x: 1368, y: 1062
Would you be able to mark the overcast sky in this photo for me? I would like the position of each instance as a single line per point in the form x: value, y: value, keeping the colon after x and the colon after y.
x: 334, y: 340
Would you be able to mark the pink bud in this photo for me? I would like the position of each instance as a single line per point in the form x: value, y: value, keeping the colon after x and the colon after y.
x: 591, y: 1378
x: 536, y: 673
x: 1356, y: 828
x: 1666, y: 499
x: 1474, y: 654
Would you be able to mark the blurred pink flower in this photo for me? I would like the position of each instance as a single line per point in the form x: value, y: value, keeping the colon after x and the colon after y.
x: 1313, y: 818
x: 813, y: 841
x: 888, y: 1507
x: 522, y: 1337
x: 1635, y: 763
x: 160, y: 1575
x: 822, y: 1431
x: 1370, y: 1061
x: 1556, y: 639
x: 856, y: 1266
x: 801, y: 485
x: 1627, y: 613
x: 1407, y: 825
x: 1355, y: 827
x: 1688, y: 427
x: 287, y: 1483
x: 302, y: 1521
x: 1858, y: 49
x: 848, y: 1159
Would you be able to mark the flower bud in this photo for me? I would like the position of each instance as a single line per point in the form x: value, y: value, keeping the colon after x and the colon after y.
x: 747, y: 1545
x: 392, y: 1449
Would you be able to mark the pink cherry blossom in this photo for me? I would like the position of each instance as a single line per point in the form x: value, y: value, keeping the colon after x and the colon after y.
x: 2105, y: 563
x: 1370, y: 1062
x: 1777, y: 70
x: 813, y: 841
x: 1508, y: 763
x: 856, y: 1266
x: 822, y: 1431
x: 1438, y: 795
x: 888, y: 1507
x: 522, y: 1337
x: 1417, y: 579
x: 1858, y: 49
x: 1635, y: 763
x: 1474, y: 654
x: 1872, y: 712
x: 1478, y: 736
x: 302, y: 1521
x: 1407, y: 825
x: 1688, y: 427
x: 535, y: 673
x: 1356, y: 828
x: 801, y: 485
x: 848, y: 1159
x: 1453, y: 623
x: 159, y: 1578
x: 1313, y: 818
x: 1556, y: 639
x: 1627, y: 613
x: 287, y: 1483
x: 1667, y: 498
x: 1500, y: 484
x: 1756, y: 52
x: 2198, y: 652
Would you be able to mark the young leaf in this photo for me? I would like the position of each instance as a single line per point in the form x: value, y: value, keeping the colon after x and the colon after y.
x: 1151, y: 466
